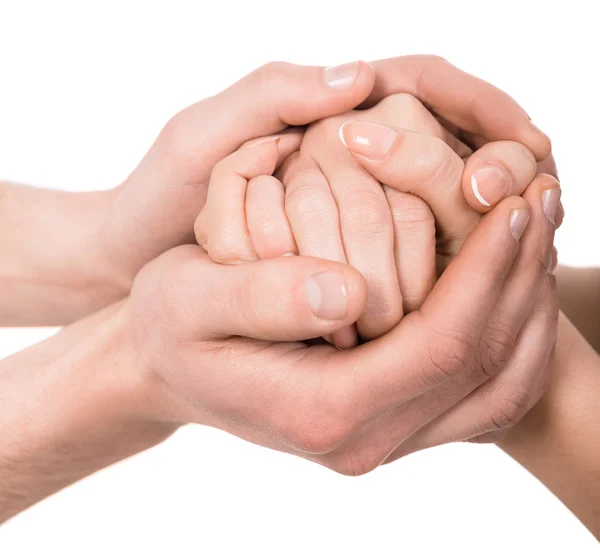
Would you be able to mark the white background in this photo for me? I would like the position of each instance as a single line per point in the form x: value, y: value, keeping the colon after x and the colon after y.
x: 84, y: 89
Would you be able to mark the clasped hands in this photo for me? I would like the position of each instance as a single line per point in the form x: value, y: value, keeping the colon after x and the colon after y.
x: 424, y: 232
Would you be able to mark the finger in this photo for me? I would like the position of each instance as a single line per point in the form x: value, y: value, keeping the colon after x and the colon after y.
x: 193, y: 141
x: 497, y: 170
x: 503, y: 401
x: 405, y: 111
x: 438, y: 342
x: 270, y: 231
x: 368, y: 240
x: 492, y: 352
x: 229, y: 240
x: 414, y: 247
x: 285, y: 299
x: 290, y: 140
x: 472, y: 104
x: 528, y: 276
x: 419, y: 164
x: 548, y: 166
x: 313, y: 216
x: 504, y: 325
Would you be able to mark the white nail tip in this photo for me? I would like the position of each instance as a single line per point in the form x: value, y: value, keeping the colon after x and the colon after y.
x: 342, y: 134
x: 478, y: 195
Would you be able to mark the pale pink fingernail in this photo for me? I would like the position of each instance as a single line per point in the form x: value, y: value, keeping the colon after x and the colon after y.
x: 550, y: 201
x: 490, y: 185
x: 327, y: 296
x: 368, y: 139
x: 518, y: 222
x: 342, y: 76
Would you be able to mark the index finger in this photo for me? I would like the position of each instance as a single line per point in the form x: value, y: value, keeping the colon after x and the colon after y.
x: 464, y: 100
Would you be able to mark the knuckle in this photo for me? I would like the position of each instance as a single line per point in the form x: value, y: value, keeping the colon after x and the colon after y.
x: 270, y: 74
x: 304, y: 199
x: 495, y: 347
x: 448, y: 354
x: 447, y: 357
x: 441, y: 163
x: 177, y: 137
x: 409, y: 212
x: 509, y: 403
x: 223, y: 249
x: 365, y: 213
x: 405, y: 103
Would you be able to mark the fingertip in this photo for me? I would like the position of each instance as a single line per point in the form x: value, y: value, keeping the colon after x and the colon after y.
x: 538, y: 142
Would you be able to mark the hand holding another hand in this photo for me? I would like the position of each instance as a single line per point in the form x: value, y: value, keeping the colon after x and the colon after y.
x: 203, y: 333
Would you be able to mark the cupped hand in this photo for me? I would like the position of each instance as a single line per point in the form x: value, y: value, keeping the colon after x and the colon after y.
x: 330, y: 203
x: 204, y: 336
x: 155, y: 208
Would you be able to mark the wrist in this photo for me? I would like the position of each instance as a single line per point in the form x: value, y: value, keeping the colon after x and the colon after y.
x: 86, y: 408
x: 558, y: 440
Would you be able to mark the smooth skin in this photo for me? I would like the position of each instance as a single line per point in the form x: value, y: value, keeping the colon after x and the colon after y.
x: 123, y: 399
x: 556, y: 441
x: 323, y: 202
x: 155, y: 208
x: 149, y: 365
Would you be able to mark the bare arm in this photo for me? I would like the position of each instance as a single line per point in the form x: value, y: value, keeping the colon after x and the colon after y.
x: 68, y: 410
x: 579, y: 293
x: 559, y: 440
x: 52, y: 271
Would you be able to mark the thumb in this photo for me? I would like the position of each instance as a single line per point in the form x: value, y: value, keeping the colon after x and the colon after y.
x: 284, y: 299
x: 156, y: 207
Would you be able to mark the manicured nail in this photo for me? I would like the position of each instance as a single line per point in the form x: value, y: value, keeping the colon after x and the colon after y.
x: 550, y: 201
x: 368, y: 139
x: 342, y: 76
x: 490, y: 185
x: 518, y: 221
x: 327, y: 296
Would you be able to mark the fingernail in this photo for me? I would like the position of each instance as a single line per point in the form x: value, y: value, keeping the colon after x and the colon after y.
x: 550, y: 201
x: 518, y: 221
x: 327, y: 296
x: 368, y: 139
x: 560, y: 214
x: 490, y: 185
x: 289, y: 254
x: 553, y: 261
x: 342, y: 76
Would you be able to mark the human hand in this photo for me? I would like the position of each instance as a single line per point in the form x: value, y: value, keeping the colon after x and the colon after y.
x: 155, y: 208
x: 328, y: 206
x: 202, y: 332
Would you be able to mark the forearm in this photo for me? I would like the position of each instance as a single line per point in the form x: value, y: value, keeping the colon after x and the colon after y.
x: 559, y: 440
x: 70, y: 406
x: 579, y: 291
x: 52, y: 268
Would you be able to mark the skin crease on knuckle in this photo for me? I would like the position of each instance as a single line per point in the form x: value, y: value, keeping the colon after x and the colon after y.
x: 508, y: 405
x: 495, y: 347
